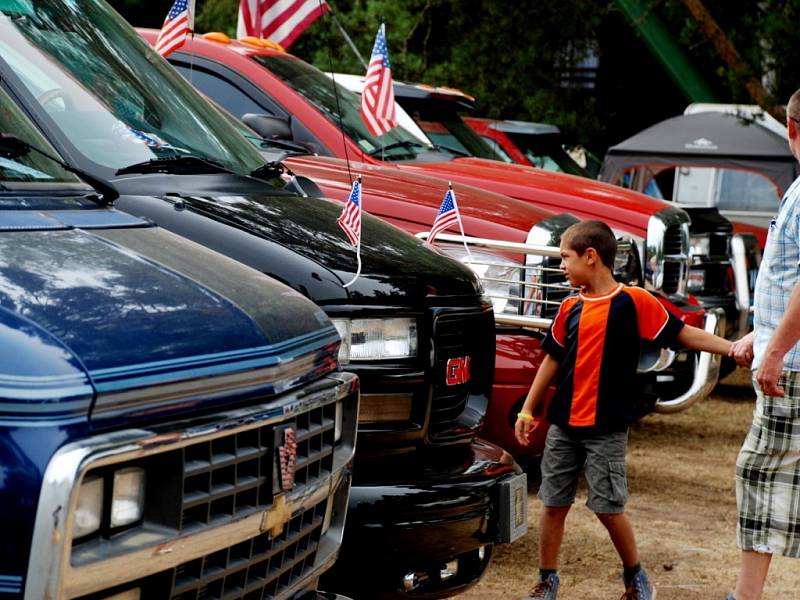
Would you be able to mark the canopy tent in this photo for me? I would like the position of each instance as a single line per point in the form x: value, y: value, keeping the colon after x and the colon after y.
x: 710, y: 139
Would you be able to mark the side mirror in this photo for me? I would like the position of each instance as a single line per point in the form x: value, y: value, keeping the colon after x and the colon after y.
x: 12, y: 147
x: 269, y: 127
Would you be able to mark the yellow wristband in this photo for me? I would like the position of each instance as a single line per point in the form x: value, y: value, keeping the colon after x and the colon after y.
x: 525, y: 416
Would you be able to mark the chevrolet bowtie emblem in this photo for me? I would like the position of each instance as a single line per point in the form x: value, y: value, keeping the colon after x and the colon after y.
x: 287, y: 455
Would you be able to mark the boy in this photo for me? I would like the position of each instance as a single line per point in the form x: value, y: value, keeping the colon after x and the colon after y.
x: 592, y: 354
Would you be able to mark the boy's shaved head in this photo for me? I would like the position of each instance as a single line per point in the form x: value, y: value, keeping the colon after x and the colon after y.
x: 592, y: 234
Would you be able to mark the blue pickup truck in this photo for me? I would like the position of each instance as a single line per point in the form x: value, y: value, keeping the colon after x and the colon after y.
x: 173, y: 424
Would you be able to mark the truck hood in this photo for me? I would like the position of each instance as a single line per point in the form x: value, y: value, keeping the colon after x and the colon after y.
x: 558, y: 192
x: 320, y: 258
x: 411, y: 200
x: 82, y: 314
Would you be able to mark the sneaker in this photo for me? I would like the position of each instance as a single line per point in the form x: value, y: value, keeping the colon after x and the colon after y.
x: 544, y: 590
x: 640, y: 588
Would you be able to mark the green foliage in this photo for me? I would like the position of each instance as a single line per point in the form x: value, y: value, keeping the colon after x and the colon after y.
x: 513, y: 56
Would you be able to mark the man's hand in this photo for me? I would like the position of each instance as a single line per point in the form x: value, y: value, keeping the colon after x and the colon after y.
x: 742, y: 351
x: 768, y: 373
x: 523, y: 430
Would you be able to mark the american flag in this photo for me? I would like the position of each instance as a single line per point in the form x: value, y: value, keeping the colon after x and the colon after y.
x: 447, y: 215
x: 281, y: 21
x: 377, y: 97
x: 350, y: 219
x: 176, y: 27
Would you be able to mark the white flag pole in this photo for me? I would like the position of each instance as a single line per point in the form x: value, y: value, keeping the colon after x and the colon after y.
x: 360, y: 219
x: 460, y: 224
x: 191, y: 5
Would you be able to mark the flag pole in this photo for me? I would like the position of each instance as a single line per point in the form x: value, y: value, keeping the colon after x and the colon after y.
x: 460, y: 224
x: 358, y: 247
x: 344, y: 34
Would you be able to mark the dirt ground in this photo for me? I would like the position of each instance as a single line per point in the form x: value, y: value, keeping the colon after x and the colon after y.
x: 682, y: 504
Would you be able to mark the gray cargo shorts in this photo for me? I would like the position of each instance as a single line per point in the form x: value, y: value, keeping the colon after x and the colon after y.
x: 604, y: 458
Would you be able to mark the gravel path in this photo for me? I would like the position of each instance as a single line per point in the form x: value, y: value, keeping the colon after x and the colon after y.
x: 682, y: 506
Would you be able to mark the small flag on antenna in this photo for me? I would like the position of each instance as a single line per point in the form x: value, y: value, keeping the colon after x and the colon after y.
x: 177, y: 26
x: 377, y: 97
x: 447, y: 215
x: 350, y: 219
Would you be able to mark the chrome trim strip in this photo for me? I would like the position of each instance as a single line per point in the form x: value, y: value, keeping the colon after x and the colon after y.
x: 516, y: 247
x: 706, y: 371
x: 655, y: 257
x: 50, y: 574
x: 155, y: 391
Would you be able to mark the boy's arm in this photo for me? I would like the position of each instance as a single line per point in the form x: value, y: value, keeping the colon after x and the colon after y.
x: 698, y: 339
x: 544, y: 377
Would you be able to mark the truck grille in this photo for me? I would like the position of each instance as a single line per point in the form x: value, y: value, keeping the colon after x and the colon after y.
x: 553, y: 275
x: 457, y: 335
x: 233, y: 475
x: 672, y: 276
x: 673, y: 241
x: 256, y: 569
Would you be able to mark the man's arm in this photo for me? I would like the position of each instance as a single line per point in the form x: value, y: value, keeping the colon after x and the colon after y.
x: 699, y: 339
x: 786, y: 335
x: 544, y: 377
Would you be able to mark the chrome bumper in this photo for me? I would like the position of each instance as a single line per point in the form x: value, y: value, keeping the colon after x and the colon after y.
x: 706, y: 370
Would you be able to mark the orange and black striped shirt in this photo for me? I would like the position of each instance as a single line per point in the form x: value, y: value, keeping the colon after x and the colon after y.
x: 596, y: 341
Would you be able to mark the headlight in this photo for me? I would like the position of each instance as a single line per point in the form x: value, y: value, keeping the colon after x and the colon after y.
x: 89, y: 511
x: 376, y: 339
x: 697, y: 280
x: 699, y: 245
x: 501, y: 277
x: 127, y: 501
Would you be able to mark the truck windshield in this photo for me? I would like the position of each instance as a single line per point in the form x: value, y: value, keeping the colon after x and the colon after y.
x: 32, y: 167
x: 344, y: 111
x: 546, y: 152
x: 115, y: 100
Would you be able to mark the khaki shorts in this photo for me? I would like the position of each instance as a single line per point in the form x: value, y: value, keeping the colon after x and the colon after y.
x: 603, y: 455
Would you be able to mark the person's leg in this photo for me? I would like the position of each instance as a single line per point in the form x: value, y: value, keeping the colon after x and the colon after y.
x: 561, y: 465
x: 551, y: 534
x: 753, y: 569
x: 620, y: 531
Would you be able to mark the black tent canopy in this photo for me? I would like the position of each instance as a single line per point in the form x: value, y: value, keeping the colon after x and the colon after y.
x: 710, y: 139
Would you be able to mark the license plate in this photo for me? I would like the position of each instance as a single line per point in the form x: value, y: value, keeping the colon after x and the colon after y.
x: 513, y: 521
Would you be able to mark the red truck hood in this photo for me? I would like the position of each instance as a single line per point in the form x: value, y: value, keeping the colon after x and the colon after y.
x: 558, y: 192
x: 411, y: 200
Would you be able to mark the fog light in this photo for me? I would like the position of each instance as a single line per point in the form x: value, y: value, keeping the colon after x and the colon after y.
x: 127, y: 501
x: 89, y: 511
x: 449, y: 571
x: 385, y: 408
x: 134, y: 594
x: 337, y: 423
x: 482, y: 553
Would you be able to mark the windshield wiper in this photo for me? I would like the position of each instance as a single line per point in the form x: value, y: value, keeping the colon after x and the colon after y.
x: 400, y: 144
x: 179, y: 164
x: 13, y: 147
x: 451, y: 150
